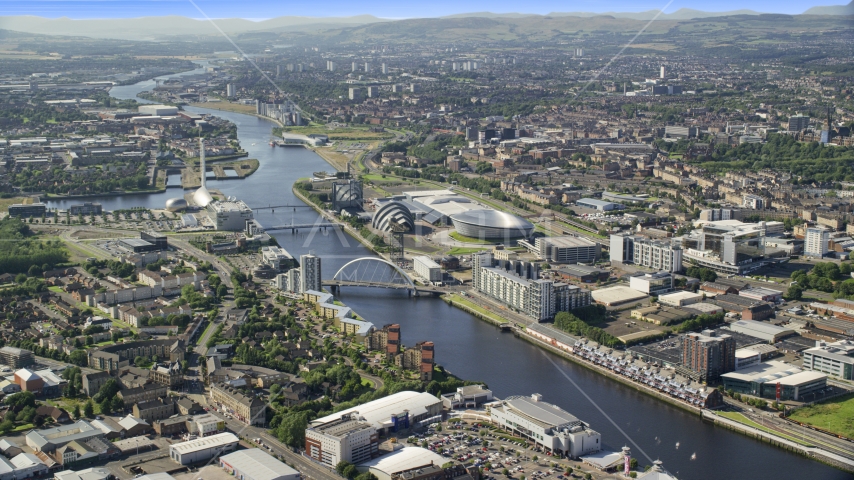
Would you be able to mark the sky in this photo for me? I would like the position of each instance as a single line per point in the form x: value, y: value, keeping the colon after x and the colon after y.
x: 261, y: 9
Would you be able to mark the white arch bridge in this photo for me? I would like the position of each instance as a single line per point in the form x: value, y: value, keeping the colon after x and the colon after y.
x: 378, y: 273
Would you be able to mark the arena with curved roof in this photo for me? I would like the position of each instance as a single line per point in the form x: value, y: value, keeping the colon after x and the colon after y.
x: 393, y: 217
x: 491, y: 224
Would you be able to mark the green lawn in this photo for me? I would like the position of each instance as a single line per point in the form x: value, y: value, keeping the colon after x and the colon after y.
x: 735, y: 416
x: 835, y: 415
x: 487, y: 313
x: 462, y: 238
x: 21, y: 428
x: 464, y: 250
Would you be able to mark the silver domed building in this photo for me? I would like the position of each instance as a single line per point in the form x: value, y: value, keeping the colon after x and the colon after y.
x: 176, y: 204
x: 491, y: 224
x: 393, y: 217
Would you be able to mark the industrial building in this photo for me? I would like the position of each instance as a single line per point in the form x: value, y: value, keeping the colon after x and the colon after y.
x: 50, y: 439
x: 256, y: 464
x: 393, y: 412
x: 491, y: 224
x: 708, y: 354
x: 763, y: 330
x: 834, y: 359
x: 582, y: 273
x: 762, y: 380
x: 427, y: 269
x: 652, y: 283
x: 545, y: 424
x: 346, y: 438
x: 203, y: 449
x: 679, y: 299
x: 400, y: 463
x: 597, y: 204
x: 659, y: 255
x: 158, y: 110
x: 617, y: 295
x: 566, y: 249
x: 517, y: 285
x: 762, y: 294
x: 230, y: 215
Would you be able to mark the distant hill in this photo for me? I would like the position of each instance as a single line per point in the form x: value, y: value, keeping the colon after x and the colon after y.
x: 832, y: 10
x: 155, y: 28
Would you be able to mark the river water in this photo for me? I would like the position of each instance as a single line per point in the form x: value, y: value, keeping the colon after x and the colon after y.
x: 476, y: 350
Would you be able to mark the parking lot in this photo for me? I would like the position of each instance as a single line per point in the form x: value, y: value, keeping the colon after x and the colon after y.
x: 499, y: 454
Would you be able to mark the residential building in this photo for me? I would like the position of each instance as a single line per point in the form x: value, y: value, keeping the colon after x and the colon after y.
x: 92, y: 382
x: 708, y: 354
x: 142, y: 393
x: 309, y: 277
x: 427, y: 269
x: 517, y: 285
x: 167, y: 373
x: 419, y: 358
x: 246, y: 408
x: 386, y: 340
x: 754, y: 202
x: 347, y: 438
x: 816, y: 241
x: 154, y: 410
x: 656, y: 254
x: 16, y: 357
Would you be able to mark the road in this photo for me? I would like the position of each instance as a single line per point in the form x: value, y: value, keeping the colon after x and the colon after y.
x: 308, y: 468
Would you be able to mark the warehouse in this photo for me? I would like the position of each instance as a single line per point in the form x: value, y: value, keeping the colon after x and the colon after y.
x: 616, y: 296
x: 763, y: 294
x: 256, y: 464
x: 203, y: 449
x: 679, y: 299
x: 766, y: 331
x: 582, y: 273
x: 403, y: 460
x: 387, y: 413
x: 600, y: 205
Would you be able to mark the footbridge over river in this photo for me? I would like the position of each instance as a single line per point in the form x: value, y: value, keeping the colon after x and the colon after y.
x: 377, y: 273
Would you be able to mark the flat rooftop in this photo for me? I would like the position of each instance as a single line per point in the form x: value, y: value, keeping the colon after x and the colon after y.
x: 617, y: 295
x: 541, y: 412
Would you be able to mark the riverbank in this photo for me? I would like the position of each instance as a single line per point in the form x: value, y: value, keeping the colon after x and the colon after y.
x: 213, y: 106
x: 46, y: 196
x: 347, y: 228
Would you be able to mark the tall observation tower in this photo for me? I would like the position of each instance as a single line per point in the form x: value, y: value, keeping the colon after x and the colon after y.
x: 202, y: 197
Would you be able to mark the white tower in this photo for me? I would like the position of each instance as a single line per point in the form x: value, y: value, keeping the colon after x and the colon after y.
x: 662, y: 72
x: 202, y: 170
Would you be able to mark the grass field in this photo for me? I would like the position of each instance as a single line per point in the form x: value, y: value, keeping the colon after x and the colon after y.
x: 464, y: 250
x: 735, y: 416
x: 5, y: 202
x: 493, y: 316
x: 835, y: 415
x: 339, y: 133
x: 462, y: 238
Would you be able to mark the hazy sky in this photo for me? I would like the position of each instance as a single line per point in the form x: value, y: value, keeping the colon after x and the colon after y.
x: 260, y: 9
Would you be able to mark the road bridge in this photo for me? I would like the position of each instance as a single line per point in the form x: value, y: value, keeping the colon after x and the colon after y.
x: 377, y: 273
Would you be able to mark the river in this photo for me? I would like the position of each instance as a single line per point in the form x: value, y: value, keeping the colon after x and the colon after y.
x: 475, y: 350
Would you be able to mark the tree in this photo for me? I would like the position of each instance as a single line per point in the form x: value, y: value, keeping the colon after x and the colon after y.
x: 76, y: 411
x: 89, y: 409
x: 795, y: 292
x: 340, y: 466
x: 291, y: 429
x: 6, y: 426
x: 21, y: 400
x: 108, y: 390
x: 79, y: 358
x: 350, y: 471
x: 366, y: 476
x: 117, y: 404
x: 106, y: 406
